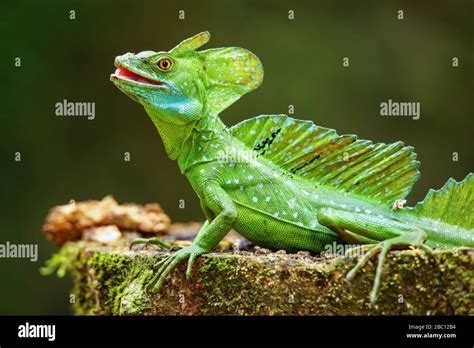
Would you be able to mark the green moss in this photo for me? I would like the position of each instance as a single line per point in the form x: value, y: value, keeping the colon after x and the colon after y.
x: 107, y: 279
x: 219, y: 264
x: 63, y: 260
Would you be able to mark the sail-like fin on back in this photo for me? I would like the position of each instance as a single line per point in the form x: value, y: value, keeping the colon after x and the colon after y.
x: 380, y: 172
x: 451, y: 204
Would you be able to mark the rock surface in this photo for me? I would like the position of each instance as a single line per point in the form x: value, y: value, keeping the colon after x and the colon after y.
x: 110, y: 280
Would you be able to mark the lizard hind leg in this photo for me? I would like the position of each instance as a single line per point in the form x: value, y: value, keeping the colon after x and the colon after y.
x: 409, y: 239
x: 385, y: 235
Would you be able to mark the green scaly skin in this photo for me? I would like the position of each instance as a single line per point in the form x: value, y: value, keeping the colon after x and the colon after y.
x: 184, y: 90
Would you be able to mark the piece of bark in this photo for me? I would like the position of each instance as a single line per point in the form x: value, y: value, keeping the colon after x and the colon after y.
x: 68, y: 222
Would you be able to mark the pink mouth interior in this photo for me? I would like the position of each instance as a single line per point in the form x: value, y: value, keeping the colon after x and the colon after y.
x: 130, y: 75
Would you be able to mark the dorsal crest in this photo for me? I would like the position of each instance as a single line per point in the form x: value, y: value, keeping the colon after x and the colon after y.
x: 382, y: 173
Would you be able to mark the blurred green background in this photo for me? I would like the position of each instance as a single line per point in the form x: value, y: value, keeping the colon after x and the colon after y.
x: 67, y: 158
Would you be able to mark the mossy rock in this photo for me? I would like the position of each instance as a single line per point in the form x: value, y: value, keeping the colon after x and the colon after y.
x: 112, y: 281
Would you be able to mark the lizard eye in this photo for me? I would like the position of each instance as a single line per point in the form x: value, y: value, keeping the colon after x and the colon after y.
x: 165, y: 64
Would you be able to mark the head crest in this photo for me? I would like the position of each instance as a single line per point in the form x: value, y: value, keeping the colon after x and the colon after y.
x: 231, y: 71
x: 192, y: 44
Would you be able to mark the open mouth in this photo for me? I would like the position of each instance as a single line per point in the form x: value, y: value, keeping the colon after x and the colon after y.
x: 130, y: 75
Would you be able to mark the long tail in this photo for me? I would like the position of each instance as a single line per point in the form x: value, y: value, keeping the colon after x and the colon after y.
x: 449, y: 213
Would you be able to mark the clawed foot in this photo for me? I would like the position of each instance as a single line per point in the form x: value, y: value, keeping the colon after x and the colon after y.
x: 167, y: 264
x: 155, y: 241
x: 415, y: 239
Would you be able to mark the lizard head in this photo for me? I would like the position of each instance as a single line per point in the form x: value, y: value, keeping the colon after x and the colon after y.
x: 184, y: 84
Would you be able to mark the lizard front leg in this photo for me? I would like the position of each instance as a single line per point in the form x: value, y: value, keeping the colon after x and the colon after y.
x: 382, y: 234
x: 211, y: 233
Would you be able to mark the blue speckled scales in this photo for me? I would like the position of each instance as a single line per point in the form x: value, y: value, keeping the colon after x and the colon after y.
x: 381, y: 172
x: 452, y: 204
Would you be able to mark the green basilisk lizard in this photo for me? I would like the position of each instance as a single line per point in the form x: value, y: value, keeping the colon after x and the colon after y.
x: 280, y: 182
